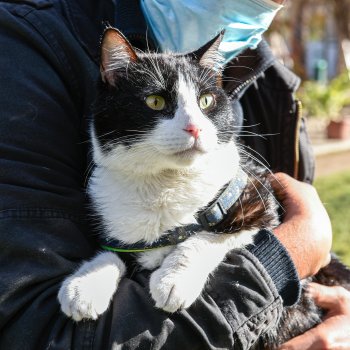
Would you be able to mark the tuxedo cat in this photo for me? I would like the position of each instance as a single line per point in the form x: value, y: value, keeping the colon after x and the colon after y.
x: 164, y: 147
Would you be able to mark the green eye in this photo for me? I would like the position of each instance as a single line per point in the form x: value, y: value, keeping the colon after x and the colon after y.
x: 155, y: 102
x: 206, y: 101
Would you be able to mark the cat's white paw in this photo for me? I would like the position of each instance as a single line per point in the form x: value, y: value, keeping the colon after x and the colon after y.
x: 174, y: 291
x: 87, y: 293
x: 84, y: 298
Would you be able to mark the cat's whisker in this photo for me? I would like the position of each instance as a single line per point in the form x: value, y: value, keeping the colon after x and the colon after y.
x: 243, y: 56
x: 263, y: 202
x: 157, y: 73
x: 247, y: 133
x: 236, y: 66
x: 83, y: 142
x: 151, y: 74
x: 247, y: 126
x: 139, y: 131
x: 211, y: 85
x: 257, y: 153
x: 224, y: 132
x: 245, y: 136
x: 205, y: 76
x: 148, y: 51
x: 257, y: 160
x: 251, y: 132
x: 123, y: 140
x: 105, y: 134
x: 250, y: 156
x: 262, y: 184
x: 88, y: 172
x: 243, y: 220
x: 224, y: 79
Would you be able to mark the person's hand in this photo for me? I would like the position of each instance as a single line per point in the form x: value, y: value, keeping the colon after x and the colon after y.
x: 306, y: 230
x: 334, y: 332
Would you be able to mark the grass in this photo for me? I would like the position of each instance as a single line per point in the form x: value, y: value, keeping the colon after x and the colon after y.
x: 334, y: 191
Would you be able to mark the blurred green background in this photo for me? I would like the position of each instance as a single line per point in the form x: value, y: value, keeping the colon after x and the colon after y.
x: 334, y: 191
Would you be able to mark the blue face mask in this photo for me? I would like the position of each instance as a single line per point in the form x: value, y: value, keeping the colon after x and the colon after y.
x: 185, y: 25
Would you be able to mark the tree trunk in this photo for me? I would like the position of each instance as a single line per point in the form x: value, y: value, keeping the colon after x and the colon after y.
x: 298, y: 45
x: 342, y: 18
x: 341, y: 10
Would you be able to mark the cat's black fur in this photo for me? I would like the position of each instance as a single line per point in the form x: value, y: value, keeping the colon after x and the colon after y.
x: 256, y: 207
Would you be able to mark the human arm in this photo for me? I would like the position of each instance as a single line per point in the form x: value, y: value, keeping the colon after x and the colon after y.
x: 333, y: 332
x: 306, y: 229
x: 309, y: 216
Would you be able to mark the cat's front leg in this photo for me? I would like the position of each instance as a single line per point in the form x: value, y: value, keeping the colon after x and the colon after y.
x: 87, y: 293
x: 183, y: 274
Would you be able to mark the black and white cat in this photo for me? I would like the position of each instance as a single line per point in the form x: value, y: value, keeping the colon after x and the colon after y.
x: 163, y: 145
x: 164, y: 148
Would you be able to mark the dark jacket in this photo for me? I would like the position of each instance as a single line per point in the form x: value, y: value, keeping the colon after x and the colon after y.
x: 48, y: 68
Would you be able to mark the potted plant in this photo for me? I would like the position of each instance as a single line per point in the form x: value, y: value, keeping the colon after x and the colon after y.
x: 339, y: 129
x: 329, y: 101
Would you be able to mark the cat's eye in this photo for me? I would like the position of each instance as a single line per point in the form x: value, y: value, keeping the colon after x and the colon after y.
x: 206, y: 101
x: 155, y: 102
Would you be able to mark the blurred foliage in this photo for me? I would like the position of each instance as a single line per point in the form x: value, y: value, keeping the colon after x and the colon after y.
x: 334, y: 191
x: 317, y: 22
x: 325, y: 100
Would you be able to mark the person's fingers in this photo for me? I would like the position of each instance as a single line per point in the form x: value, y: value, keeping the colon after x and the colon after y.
x: 333, y: 332
x: 329, y: 298
x: 305, y: 229
x: 307, y: 341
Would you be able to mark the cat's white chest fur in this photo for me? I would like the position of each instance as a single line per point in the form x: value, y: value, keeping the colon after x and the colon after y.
x: 141, y: 208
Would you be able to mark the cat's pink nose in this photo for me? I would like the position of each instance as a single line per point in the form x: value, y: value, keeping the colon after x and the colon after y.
x: 194, y: 130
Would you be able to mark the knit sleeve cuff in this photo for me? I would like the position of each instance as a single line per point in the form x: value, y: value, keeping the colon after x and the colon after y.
x: 278, y: 264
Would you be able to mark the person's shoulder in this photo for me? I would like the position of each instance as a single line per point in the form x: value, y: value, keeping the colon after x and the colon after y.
x: 37, y: 4
x: 12, y: 9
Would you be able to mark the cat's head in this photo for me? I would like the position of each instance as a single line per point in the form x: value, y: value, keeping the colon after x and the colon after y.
x: 159, y: 111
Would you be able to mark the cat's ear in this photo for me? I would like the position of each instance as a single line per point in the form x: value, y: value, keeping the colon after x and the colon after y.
x: 208, y: 55
x: 116, y: 54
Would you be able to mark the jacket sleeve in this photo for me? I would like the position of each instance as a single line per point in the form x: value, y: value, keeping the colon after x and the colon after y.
x: 45, y: 236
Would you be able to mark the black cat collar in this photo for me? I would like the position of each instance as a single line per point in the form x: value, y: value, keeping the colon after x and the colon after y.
x: 207, y: 219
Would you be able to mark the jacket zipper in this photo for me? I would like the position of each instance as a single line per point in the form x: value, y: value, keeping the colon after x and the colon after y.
x: 250, y: 80
x: 299, y: 115
x: 243, y: 85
